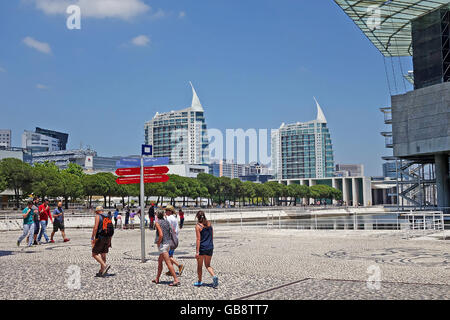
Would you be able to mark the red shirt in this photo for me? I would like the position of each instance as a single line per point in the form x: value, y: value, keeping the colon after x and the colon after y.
x: 181, y: 215
x: 44, y: 214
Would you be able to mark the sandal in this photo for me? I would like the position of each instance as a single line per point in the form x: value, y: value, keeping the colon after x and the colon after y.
x: 175, y: 284
x: 154, y: 281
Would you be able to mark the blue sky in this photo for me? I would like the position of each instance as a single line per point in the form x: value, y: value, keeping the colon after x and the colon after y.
x: 254, y: 64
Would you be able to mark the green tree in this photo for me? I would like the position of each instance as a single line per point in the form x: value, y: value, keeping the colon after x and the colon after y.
x: 18, y: 176
x: 249, y: 191
x: 46, y: 180
x: 237, y: 188
x: 70, y: 186
x: 75, y: 169
x: 3, y: 183
x: 211, y: 183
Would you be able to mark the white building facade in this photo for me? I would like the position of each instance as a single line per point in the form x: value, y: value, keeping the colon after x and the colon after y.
x: 37, y: 142
x: 5, y: 138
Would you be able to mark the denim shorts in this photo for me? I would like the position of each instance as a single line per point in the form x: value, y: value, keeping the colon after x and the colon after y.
x: 163, y: 248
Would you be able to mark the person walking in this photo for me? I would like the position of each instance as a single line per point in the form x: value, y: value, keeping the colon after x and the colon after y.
x: 170, y: 215
x: 44, y: 215
x: 132, y: 214
x: 162, y: 241
x: 28, y: 224
x: 181, y: 214
x: 127, y: 217
x: 151, y: 214
x: 116, y: 214
x: 101, y: 241
x: 58, y: 223
x: 36, y: 221
x: 204, y: 248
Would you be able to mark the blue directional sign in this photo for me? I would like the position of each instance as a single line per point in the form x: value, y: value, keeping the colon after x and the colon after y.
x: 147, y: 150
x: 136, y: 162
x: 148, y: 162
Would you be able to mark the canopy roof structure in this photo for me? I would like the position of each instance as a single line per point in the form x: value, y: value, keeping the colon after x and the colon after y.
x: 387, y: 24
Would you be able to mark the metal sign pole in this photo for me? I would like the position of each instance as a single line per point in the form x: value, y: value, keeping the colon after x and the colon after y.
x: 142, y: 211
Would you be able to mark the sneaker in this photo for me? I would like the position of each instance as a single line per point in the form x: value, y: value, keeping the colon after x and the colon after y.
x: 198, y: 284
x: 215, y: 282
x: 180, y: 269
x: 35, y: 243
x: 66, y: 240
x: 18, y: 243
x: 52, y: 241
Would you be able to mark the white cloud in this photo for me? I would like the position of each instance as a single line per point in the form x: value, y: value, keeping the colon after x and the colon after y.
x: 39, y: 46
x: 182, y: 14
x: 141, y: 41
x: 121, y: 9
x: 42, y: 86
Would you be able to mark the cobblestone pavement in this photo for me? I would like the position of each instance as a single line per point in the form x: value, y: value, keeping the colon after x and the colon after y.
x: 250, y: 263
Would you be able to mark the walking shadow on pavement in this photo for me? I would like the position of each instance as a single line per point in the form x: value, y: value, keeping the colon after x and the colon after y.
x: 6, y: 253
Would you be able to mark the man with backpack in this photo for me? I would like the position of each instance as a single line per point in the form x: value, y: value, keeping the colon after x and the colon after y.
x: 101, y: 239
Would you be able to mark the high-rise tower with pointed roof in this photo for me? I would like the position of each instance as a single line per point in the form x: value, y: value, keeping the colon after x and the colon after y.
x: 180, y: 135
x: 303, y: 149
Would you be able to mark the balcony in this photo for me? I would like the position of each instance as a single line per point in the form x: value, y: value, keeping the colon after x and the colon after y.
x: 388, y: 139
x: 387, y: 112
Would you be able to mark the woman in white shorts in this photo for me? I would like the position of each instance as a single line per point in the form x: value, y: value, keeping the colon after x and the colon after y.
x: 163, y: 243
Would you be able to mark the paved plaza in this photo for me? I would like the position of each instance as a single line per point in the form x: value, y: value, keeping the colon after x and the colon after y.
x: 251, y: 264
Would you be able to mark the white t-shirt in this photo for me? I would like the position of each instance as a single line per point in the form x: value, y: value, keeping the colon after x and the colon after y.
x: 174, y: 223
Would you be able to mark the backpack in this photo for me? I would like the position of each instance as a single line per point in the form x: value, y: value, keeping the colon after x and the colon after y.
x: 107, y: 227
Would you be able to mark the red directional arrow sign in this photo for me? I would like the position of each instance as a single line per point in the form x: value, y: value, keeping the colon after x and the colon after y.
x: 137, y: 171
x: 147, y: 179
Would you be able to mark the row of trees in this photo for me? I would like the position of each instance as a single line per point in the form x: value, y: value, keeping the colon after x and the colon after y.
x: 47, y: 180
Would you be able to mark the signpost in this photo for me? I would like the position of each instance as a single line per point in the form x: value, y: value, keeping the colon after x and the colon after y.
x: 137, y: 171
x: 147, y: 179
x: 136, y: 162
x: 142, y: 170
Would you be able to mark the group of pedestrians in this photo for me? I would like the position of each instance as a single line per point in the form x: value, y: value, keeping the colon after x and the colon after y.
x: 165, y: 222
x: 35, y: 221
x: 166, y: 226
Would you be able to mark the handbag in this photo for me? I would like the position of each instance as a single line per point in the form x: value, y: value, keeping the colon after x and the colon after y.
x: 173, y: 242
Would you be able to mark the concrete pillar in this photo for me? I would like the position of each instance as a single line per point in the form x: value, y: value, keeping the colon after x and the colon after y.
x: 334, y: 185
x: 311, y: 183
x: 442, y: 181
x: 385, y: 197
x: 345, y: 193
x: 355, y: 192
x: 367, y: 191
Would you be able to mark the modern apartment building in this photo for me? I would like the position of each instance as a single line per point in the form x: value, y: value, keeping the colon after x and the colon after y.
x: 37, y: 142
x: 303, y: 149
x: 180, y: 135
x: 5, y: 138
x: 62, y: 137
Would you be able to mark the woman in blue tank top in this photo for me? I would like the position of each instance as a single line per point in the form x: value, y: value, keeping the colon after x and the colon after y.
x: 205, y: 247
